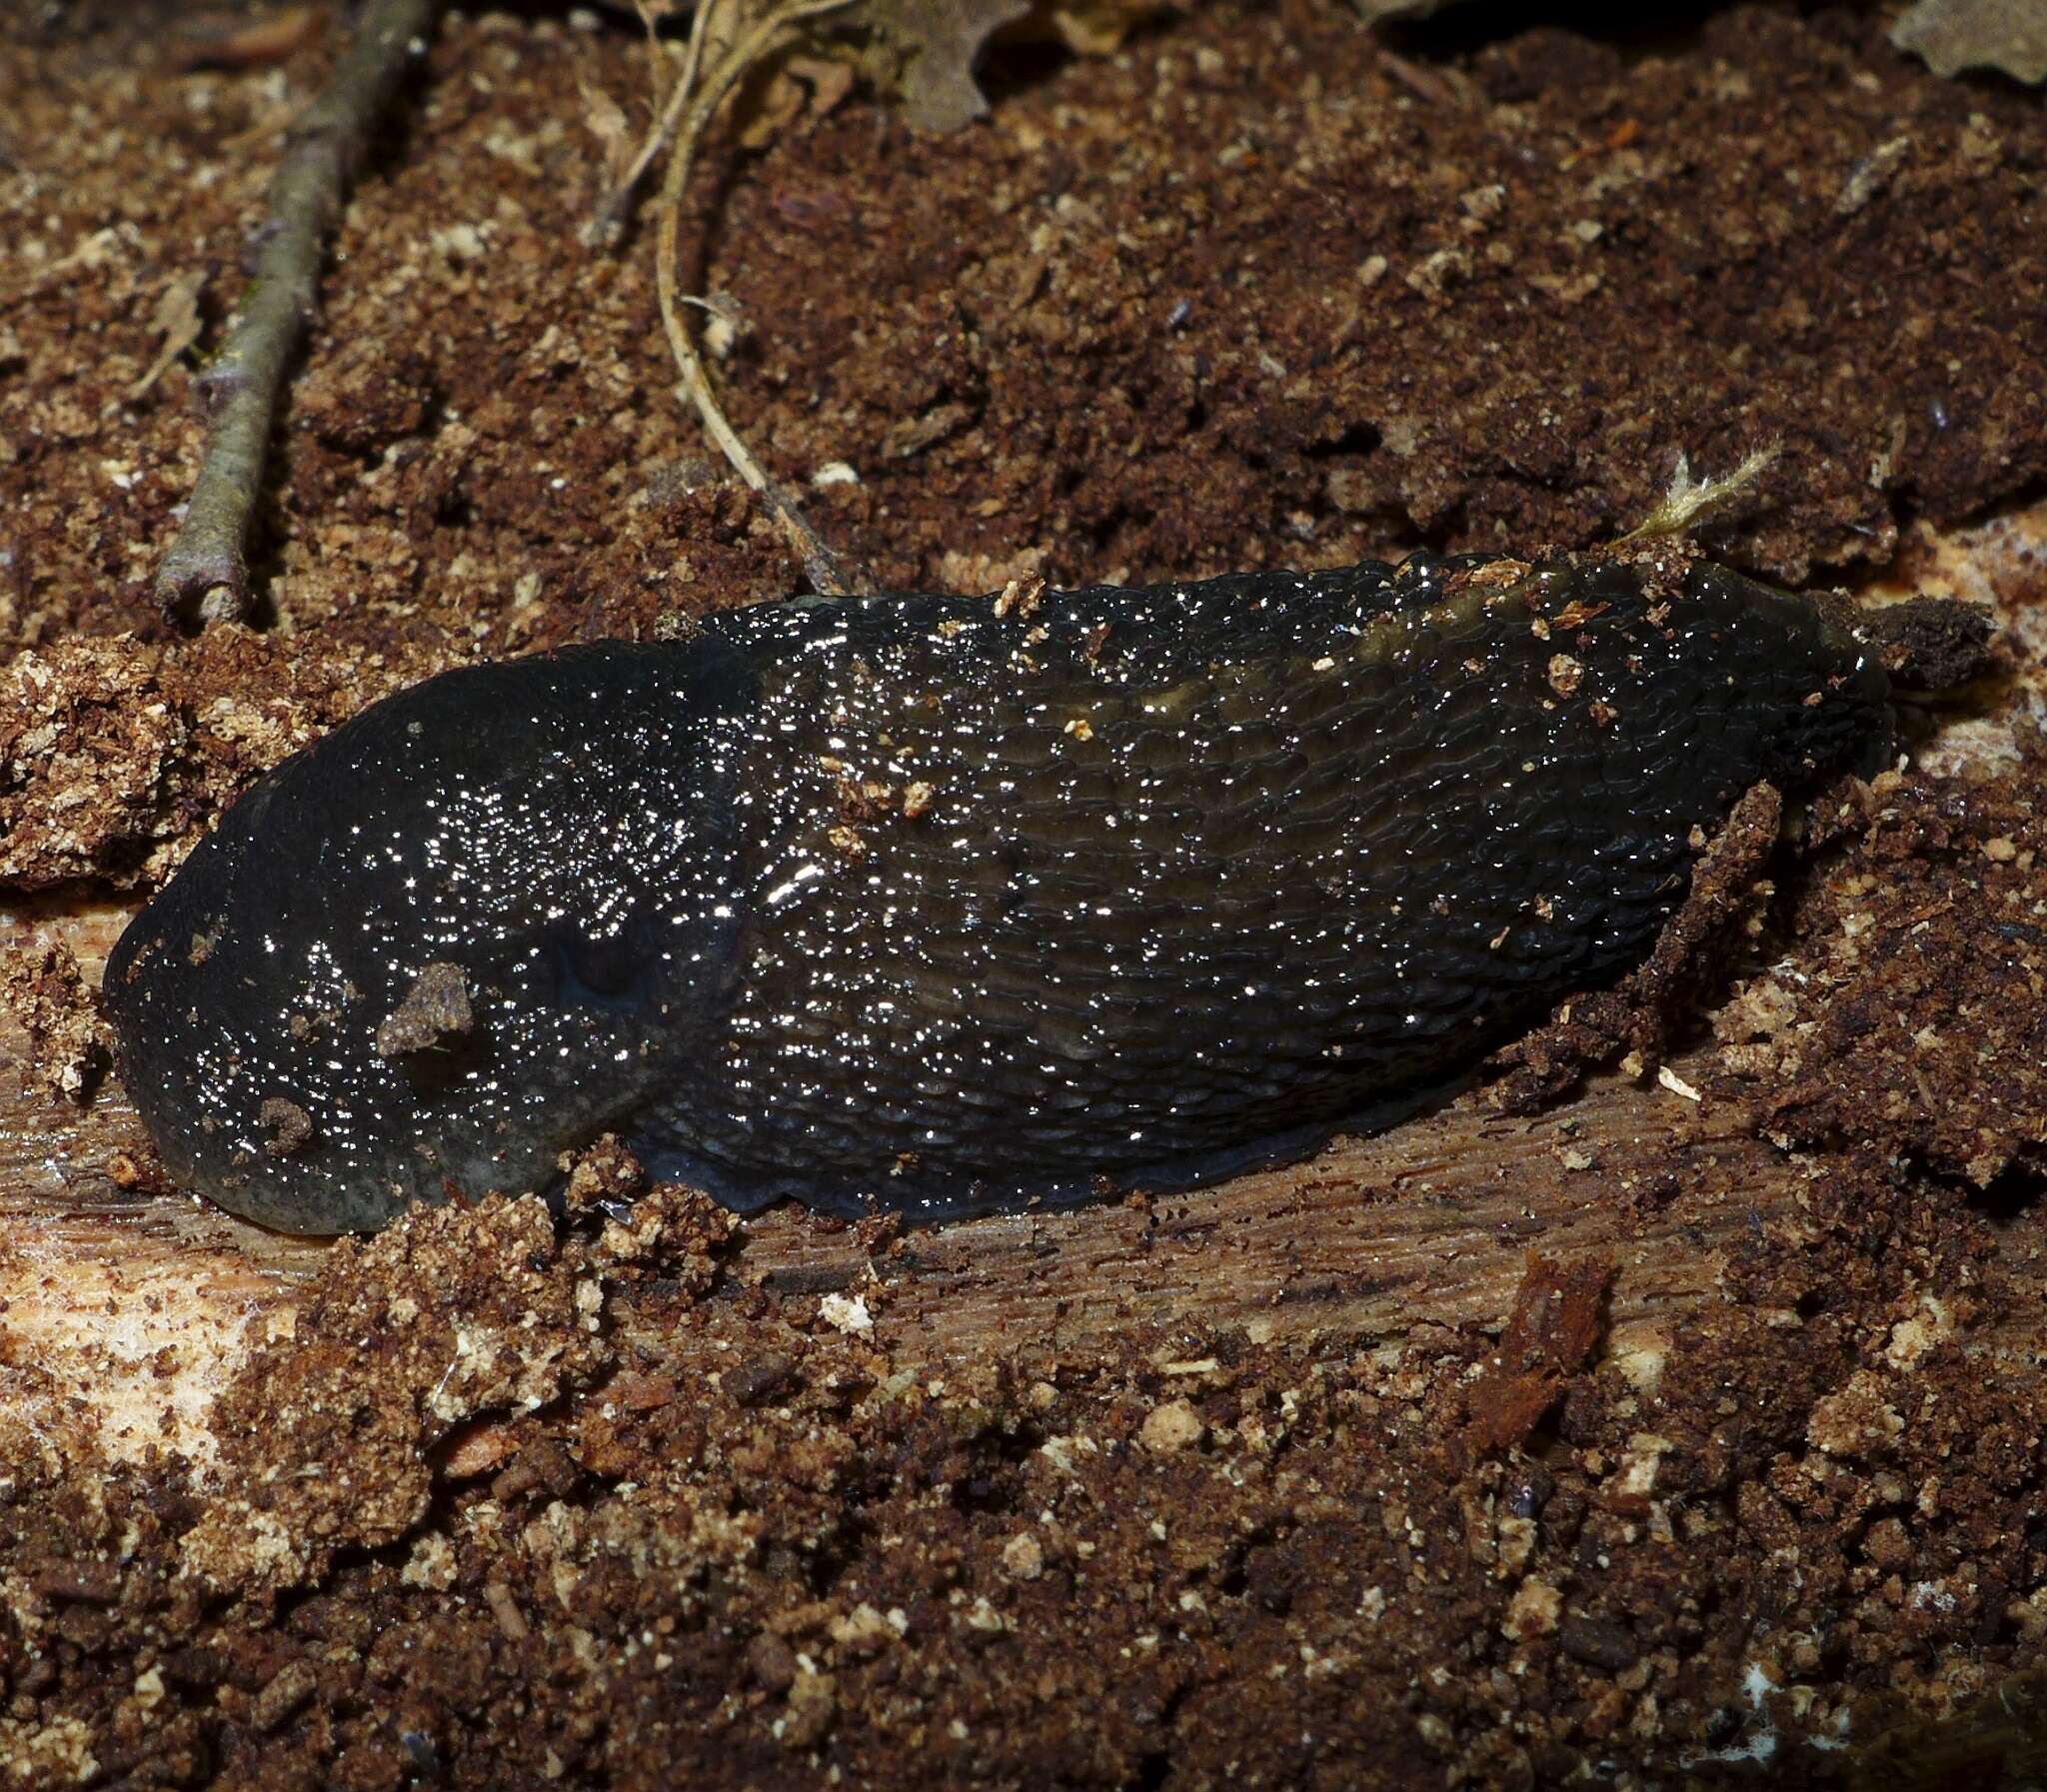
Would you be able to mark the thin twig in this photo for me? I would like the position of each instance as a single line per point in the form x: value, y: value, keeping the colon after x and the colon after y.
x: 207, y: 565
x: 609, y: 220
x: 827, y: 578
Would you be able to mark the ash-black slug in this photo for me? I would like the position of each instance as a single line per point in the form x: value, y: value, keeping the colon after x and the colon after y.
x: 947, y: 906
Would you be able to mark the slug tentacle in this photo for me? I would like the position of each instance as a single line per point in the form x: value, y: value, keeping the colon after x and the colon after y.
x: 947, y: 905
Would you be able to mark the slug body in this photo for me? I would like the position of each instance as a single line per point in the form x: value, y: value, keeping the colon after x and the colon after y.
x: 918, y: 903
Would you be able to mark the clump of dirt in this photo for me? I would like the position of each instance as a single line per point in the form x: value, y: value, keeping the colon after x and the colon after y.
x: 731, y: 1543
x: 1926, y: 963
x: 1930, y: 646
x: 116, y: 754
x: 1478, y: 307
x: 1725, y: 907
x: 69, y: 1042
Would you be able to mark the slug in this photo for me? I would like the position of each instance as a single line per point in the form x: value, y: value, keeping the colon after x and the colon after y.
x: 947, y: 906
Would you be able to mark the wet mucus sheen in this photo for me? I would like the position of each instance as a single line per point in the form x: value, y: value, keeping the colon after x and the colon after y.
x: 949, y: 905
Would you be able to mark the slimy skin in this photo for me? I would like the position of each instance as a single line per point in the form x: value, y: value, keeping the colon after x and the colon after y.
x: 949, y: 906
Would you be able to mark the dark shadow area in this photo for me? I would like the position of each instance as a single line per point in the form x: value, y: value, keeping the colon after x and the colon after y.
x: 1631, y: 30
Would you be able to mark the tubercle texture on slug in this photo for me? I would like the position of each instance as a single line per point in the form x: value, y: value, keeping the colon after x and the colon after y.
x: 906, y: 901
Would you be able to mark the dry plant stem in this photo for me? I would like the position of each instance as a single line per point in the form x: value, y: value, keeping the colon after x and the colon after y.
x: 611, y: 213
x: 828, y: 579
x: 1687, y: 497
x: 207, y: 566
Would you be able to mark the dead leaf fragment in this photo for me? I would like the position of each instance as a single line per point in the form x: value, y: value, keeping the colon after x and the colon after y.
x: 225, y: 41
x: 176, y: 319
x: 1556, y: 1324
x: 934, y: 44
x: 803, y: 89
x: 605, y: 119
x: 1954, y: 35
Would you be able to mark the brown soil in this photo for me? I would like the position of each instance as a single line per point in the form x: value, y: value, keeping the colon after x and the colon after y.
x: 665, y: 1499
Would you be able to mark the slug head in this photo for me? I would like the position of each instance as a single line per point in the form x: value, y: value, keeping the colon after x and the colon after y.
x: 455, y: 938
